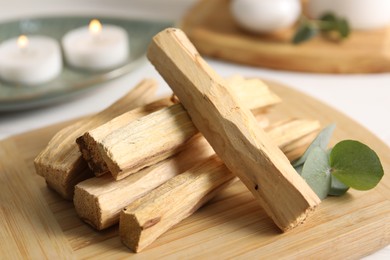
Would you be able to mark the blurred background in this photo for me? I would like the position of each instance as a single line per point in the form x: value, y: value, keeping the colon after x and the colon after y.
x: 360, y: 96
x: 150, y: 9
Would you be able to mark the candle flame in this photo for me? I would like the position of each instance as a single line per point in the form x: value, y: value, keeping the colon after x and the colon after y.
x: 22, y: 41
x: 95, y: 27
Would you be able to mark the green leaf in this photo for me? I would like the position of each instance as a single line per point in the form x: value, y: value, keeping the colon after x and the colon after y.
x: 322, y: 140
x: 305, y: 32
x: 328, y: 17
x: 331, y: 26
x: 356, y: 165
x: 343, y: 28
x: 316, y: 172
x: 328, y: 22
x: 337, y: 188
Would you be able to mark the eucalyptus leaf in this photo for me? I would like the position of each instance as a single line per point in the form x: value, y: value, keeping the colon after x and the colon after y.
x: 322, y: 141
x: 343, y: 28
x: 305, y: 32
x: 328, y: 17
x: 337, y: 188
x: 329, y: 22
x: 356, y: 165
x: 330, y: 25
x: 316, y: 172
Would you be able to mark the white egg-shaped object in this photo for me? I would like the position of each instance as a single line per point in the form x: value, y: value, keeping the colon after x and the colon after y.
x: 265, y: 16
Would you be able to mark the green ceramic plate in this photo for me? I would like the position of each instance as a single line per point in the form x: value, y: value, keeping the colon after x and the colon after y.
x: 71, y: 81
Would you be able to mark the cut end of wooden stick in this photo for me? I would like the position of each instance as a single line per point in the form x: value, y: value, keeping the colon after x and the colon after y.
x: 131, y: 231
x: 91, y: 155
x: 63, y: 180
x: 232, y: 130
x: 87, y: 207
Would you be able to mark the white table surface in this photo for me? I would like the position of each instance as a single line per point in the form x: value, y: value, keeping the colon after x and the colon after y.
x: 365, y: 98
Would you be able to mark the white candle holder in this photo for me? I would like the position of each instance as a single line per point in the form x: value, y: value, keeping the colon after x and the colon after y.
x: 30, y: 61
x: 97, y: 47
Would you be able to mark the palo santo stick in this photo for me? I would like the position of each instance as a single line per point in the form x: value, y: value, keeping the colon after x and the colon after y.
x: 232, y: 131
x: 144, y: 220
x: 147, y: 141
x: 244, y: 88
x: 282, y: 134
x: 161, y: 134
x: 88, y: 142
x: 296, y: 149
x: 98, y: 201
x: 148, y: 217
x: 89, y: 146
x: 61, y: 163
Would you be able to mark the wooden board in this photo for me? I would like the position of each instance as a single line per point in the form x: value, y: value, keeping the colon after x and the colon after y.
x: 37, y: 223
x: 214, y: 32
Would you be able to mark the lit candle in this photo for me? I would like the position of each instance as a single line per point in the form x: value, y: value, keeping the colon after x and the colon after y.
x: 96, y: 47
x: 30, y: 61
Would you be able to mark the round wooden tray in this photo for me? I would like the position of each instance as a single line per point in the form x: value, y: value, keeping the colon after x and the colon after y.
x: 214, y: 32
x: 39, y: 224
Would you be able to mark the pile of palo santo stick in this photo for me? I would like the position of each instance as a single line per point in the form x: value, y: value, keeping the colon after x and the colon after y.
x: 143, y: 163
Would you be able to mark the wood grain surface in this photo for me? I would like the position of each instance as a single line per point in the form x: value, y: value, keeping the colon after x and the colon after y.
x: 213, y: 31
x: 37, y: 223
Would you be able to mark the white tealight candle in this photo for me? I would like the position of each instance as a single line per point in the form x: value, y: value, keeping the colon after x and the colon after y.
x: 30, y: 61
x: 96, y: 47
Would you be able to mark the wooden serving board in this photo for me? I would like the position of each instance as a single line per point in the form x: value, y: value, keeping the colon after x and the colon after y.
x: 212, y: 29
x: 36, y: 223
